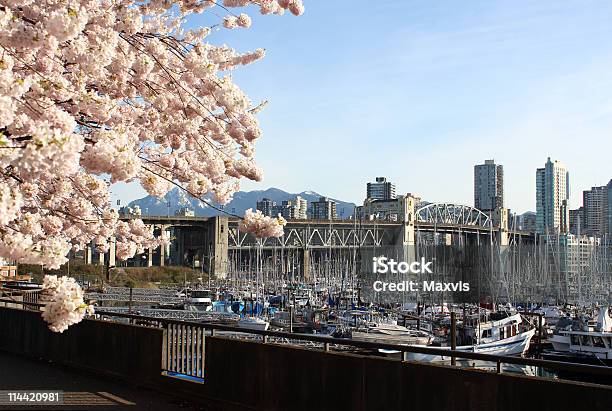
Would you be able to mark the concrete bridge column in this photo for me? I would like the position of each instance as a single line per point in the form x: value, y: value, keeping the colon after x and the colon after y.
x: 87, y: 252
x: 408, y: 230
x: 180, y: 246
x: 101, y: 258
x: 500, y: 223
x: 112, y: 252
x: 220, y: 247
x: 162, y: 248
x: 150, y: 257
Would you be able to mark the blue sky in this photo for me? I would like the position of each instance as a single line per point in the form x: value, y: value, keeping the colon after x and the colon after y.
x: 420, y: 91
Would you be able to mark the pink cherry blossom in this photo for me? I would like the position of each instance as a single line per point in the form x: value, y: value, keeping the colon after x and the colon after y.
x: 268, y: 6
x: 64, y: 305
x: 296, y: 7
x: 230, y: 22
x: 94, y: 92
x: 262, y: 226
x: 244, y: 20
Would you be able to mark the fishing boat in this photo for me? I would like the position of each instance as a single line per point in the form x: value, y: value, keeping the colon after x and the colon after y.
x: 499, y: 334
x: 581, y: 342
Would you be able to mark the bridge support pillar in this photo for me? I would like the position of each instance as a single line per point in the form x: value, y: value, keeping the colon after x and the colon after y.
x: 162, y: 255
x: 112, y: 252
x: 149, y: 257
x: 408, y: 229
x: 215, y: 252
x: 500, y: 221
x: 101, y: 257
x: 87, y: 253
x: 180, y: 246
x: 162, y: 248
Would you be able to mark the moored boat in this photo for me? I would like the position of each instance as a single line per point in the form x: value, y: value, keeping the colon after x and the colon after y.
x: 583, y: 343
x: 498, y: 336
x: 253, y: 323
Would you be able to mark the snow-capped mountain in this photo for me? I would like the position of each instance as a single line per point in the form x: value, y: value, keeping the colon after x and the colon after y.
x: 243, y: 200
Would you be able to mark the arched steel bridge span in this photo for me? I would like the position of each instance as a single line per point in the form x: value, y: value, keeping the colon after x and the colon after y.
x: 436, y: 218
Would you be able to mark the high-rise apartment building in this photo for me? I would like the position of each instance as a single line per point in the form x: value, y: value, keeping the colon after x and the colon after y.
x: 381, y: 189
x: 594, y: 202
x: 323, y: 209
x: 552, y: 196
x: 528, y: 221
x: 266, y: 206
x: 295, y: 209
x: 576, y: 221
x: 608, y: 208
x: 488, y: 186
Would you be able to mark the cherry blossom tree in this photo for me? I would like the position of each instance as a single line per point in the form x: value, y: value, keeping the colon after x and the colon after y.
x: 94, y: 92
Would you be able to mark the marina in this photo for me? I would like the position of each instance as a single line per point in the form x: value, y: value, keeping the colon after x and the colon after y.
x: 547, y: 332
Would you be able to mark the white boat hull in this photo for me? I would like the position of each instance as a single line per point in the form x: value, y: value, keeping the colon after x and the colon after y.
x: 253, y: 324
x: 516, y: 345
x: 560, y: 342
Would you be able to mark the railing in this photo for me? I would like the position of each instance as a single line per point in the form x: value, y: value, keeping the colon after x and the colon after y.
x: 137, y: 298
x: 28, y: 299
x: 184, y: 345
x: 31, y: 297
x: 184, y: 350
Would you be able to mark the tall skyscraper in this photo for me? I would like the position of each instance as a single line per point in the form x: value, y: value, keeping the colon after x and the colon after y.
x: 552, y: 196
x: 381, y: 189
x: 488, y: 186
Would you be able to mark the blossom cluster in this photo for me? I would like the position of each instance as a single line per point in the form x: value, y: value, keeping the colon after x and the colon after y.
x: 94, y: 92
x: 296, y: 7
x: 262, y: 226
x: 64, y: 305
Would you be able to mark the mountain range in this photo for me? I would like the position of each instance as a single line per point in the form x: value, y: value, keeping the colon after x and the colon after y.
x: 241, y: 201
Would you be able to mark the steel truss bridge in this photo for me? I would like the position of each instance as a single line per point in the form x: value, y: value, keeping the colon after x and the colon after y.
x: 453, y: 215
x: 438, y: 218
x: 320, y: 234
x: 199, y: 238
